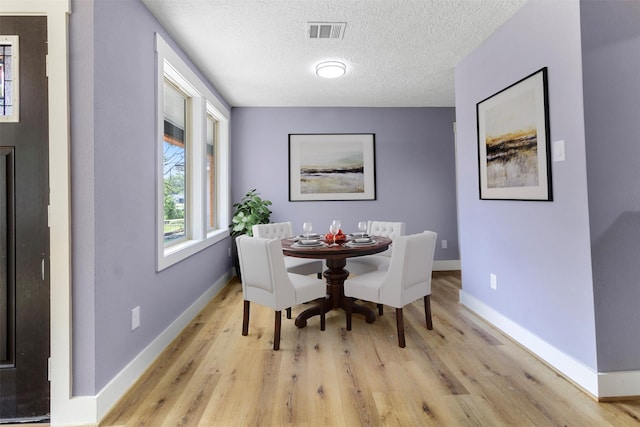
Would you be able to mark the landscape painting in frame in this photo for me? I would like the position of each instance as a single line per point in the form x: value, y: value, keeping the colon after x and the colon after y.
x: 514, y: 142
x: 332, y: 167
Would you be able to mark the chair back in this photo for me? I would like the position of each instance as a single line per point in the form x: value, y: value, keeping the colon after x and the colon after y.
x: 264, y: 277
x: 386, y: 229
x: 275, y: 230
x: 409, y: 274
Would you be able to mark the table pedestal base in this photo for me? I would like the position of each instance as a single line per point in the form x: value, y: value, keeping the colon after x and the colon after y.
x: 335, y: 275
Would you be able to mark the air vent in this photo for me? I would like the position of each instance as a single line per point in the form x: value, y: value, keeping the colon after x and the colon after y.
x: 326, y: 30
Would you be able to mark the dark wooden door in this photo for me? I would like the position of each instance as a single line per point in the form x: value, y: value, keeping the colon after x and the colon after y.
x: 24, y: 232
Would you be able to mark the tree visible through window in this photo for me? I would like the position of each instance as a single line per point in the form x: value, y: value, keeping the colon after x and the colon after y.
x: 175, y: 166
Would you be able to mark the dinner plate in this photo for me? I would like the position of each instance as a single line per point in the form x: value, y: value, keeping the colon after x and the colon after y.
x: 314, y: 236
x: 309, y: 244
x: 354, y: 243
x: 309, y: 241
x: 362, y: 240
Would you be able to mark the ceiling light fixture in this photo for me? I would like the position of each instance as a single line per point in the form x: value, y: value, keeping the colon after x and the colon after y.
x: 331, y: 69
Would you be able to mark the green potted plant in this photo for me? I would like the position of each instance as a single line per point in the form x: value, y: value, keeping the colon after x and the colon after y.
x: 251, y: 210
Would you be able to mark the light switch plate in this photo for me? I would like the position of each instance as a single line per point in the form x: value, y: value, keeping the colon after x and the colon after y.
x: 558, y: 151
x: 135, y: 318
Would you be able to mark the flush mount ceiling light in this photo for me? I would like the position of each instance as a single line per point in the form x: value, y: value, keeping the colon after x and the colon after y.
x: 331, y: 69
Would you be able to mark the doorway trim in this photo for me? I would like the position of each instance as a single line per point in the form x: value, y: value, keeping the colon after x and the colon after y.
x: 65, y: 409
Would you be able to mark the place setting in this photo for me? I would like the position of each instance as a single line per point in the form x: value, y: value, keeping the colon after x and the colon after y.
x: 308, y: 239
x: 361, y: 241
x: 362, y: 238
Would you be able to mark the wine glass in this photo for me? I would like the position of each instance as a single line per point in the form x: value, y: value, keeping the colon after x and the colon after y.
x: 362, y: 226
x: 336, y: 222
x: 333, y: 229
x: 307, y: 227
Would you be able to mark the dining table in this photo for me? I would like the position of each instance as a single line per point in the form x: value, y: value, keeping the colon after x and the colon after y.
x: 336, y: 259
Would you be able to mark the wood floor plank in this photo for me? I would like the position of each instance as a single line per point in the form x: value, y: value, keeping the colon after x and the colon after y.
x: 464, y: 372
x: 322, y: 379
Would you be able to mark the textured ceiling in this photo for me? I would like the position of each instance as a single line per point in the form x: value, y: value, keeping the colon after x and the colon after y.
x: 399, y: 53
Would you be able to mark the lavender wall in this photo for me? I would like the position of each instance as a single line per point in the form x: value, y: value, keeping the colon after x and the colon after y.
x: 415, y: 178
x: 540, y: 251
x: 113, y: 152
x: 81, y: 76
x: 611, y: 35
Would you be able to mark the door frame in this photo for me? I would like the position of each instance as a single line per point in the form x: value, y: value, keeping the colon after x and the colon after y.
x: 65, y: 409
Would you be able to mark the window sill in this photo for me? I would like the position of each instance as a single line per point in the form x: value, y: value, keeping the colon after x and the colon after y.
x: 176, y: 253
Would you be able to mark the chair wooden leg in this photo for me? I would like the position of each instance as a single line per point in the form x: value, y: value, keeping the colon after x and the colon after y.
x: 276, y: 333
x: 348, y: 312
x: 380, y: 310
x: 322, y: 314
x: 427, y: 311
x: 400, y: 323
x: 289, y: 313
x: 245, y: 319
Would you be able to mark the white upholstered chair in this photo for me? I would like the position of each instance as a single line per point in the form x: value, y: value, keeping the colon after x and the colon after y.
x: 380, y: 261
x: 283, y: 230
x: 407, y: 279
x: 266, y: 281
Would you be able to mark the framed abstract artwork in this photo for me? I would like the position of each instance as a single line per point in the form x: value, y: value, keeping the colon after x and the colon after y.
x: 332, y: 167
x: 514, y: 142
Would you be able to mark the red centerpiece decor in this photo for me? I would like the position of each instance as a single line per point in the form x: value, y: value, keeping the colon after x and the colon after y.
x: 340, y: 237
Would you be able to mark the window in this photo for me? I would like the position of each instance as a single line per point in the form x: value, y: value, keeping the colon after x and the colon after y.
x: 193, y: 182
x: 174, y: 163
x: 9, y: 85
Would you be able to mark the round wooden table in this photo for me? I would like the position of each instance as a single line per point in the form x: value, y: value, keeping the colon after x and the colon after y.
x: 336, y: 274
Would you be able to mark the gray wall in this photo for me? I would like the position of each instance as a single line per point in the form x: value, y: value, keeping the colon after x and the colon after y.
x: 113, y: 152
x: 540, y: 251
x: 415, y: 178
x: 611, y: 36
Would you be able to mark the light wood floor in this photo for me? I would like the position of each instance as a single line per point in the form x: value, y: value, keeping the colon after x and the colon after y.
x: 462, y: 373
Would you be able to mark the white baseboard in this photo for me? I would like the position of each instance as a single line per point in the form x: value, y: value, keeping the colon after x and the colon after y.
x: 446, y: 265
x: 118, y: 386
x: 618, y: 384
x: 601, y: 385
x: 582, y: 375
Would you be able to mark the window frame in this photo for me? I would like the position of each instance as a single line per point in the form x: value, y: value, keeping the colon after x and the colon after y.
x: 202, y: 102
x: 213, y: 201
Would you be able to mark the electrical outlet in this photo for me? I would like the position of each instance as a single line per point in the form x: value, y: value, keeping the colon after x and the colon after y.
x: 445, y: 244
x: 494, y: 281
x: 135, y: 318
